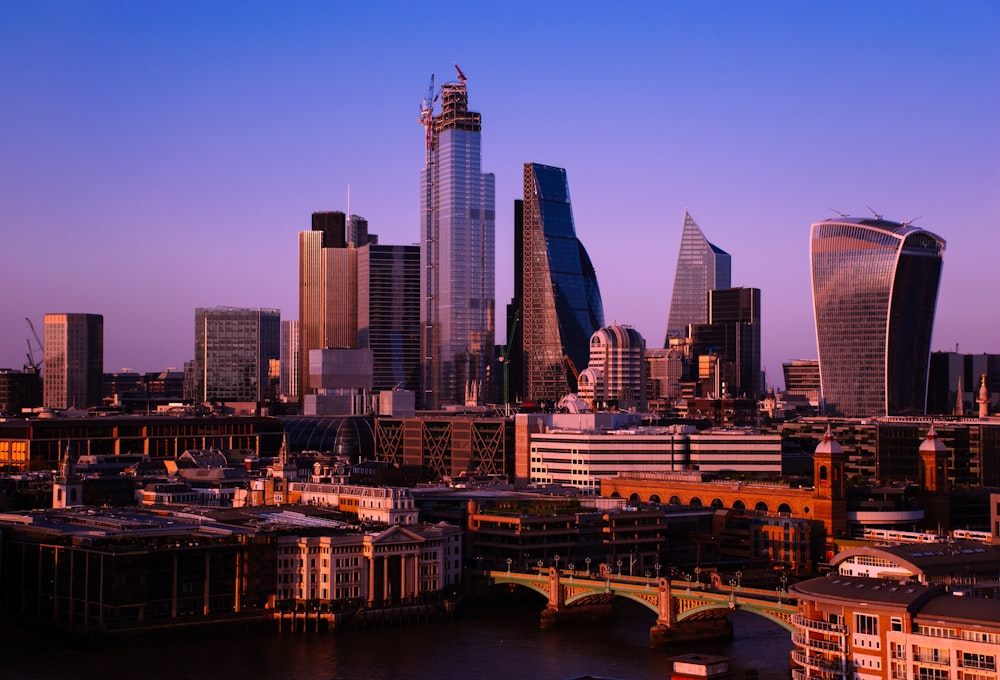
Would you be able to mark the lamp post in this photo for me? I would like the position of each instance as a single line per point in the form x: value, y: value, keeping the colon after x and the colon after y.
x: 556, y: 558
x: 540, y: 565
x: 572, y: 568
x: 732, y: 594
x: 587, y: 560
x: 697, y: 576
x: 657, y: 567
x: 619, y: 567
x: 508, y: 564
x: 739, y: 576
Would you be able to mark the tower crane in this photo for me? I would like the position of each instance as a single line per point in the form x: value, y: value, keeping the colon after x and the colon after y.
x: 505, y: 357
x: 32, y: 365
x: 427, y: 112
x: 461, y: 76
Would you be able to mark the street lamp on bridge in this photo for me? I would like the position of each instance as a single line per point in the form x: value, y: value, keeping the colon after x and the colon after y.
x: 508, y: 564
x: 587, y: 560
x: 556, y: 558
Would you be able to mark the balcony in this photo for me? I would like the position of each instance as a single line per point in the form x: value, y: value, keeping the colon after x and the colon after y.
x: 816, y: 624
x: 942, y: 659
x: 799, y: 674
x: 814, y: 643
x: 985, y: 664
x: 840, y: 668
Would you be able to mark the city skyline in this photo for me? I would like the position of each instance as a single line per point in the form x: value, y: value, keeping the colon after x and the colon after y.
x: 182, y: 147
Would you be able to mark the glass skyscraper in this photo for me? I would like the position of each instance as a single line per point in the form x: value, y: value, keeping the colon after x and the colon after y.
x: 233, y: 349
x: 701, y: 267
x: 555, y: 288
x: 875, y: 286
x: 74, y: 360
x: 457, y: 259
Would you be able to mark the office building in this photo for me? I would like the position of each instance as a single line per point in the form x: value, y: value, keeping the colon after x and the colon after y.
x: 328, y: 286
x: 701, y: 267
x: 875, y: 286
x: 457, y: 259
x: 732, y: 337
x: 555, y: 289
x: 615, y: 378
x: 233, y: 352
x: 290, y: 378
x: 389, y: 314
x: 19, y: 390
x: 74, y: 360
x: 802, y: 379
x: 955, y: 380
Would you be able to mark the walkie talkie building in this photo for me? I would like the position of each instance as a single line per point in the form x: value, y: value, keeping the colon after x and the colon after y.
x: 875, y: 286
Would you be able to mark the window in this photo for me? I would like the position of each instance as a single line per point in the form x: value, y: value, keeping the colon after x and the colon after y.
x: 896, y: 624
x: 865, y: 625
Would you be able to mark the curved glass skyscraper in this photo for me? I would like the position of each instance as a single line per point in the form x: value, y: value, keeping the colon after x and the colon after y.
x: 875, y: 285
x: 560, y: 301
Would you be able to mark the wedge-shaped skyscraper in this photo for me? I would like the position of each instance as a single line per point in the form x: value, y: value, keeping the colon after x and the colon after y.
x: 701, y: 267
x: 555, y: 285
x: 875, y: 286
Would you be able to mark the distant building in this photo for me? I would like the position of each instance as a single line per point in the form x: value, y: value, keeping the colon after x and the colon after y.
x: 732, y: 336
x: 615, y: 377
x: 389, y: 314
x: 701, y: 267
x: 339, y: 382
x: 457, y: 258
x: 291, y: 359
x: 19, y: 390
x: 954, y: 381
x: 665, y: 371
x: 875, y: 285
x: 233, y: 349
x: 555, y: 290
x: 74, y: 360
x: 802, y: 378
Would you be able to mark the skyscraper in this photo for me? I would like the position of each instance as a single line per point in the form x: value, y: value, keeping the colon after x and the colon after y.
x: 875, y: 286
x: 233, y: 351
x: 457, y: 232
x: 328, y: 290
x: 701, y: 267
x: 555, y: 289
x: 291, y: 338
x: 74, y: 360
x: 732, y: 336
x: 389, y: 314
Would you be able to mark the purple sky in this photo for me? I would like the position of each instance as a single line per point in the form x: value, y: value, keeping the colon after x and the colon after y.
x: 160, y: 156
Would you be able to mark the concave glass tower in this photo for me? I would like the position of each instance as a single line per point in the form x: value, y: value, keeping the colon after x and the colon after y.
x: 875, y: 286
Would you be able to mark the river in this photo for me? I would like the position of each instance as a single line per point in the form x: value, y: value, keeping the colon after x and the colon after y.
x: 490, y: 643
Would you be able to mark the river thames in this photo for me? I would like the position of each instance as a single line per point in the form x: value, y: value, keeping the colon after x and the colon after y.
x: 497, y: 642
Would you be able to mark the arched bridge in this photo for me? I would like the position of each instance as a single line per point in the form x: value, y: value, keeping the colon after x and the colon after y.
x: 673, y: 601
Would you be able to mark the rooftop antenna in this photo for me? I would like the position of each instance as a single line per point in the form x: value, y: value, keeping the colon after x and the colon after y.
x: 872, y: 210
x: 911, y: 221
x: 843, y: 216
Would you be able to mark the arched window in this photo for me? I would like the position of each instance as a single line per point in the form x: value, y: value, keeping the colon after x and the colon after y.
x: 675, y: 500
x: 739, y: 505
x: 760, y: 507
x: 615, y: 494
x: 634, y: 499
x: 717, y: 503
x: 695, y: 502
x: 654, y: 498
x: 785, y: 508
x: 822, y: 473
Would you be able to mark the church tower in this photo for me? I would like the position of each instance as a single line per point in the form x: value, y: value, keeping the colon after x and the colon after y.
x: 67, y: 487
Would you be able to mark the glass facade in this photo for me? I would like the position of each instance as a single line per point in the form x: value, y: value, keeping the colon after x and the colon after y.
x: 233, y: 351
x: 732, y: 336
x: 875, y: 287
x: 389, y: 314
x: 457, y: 259
x: 560, y: 300
x: 701, y: 267
x: 74, y: 360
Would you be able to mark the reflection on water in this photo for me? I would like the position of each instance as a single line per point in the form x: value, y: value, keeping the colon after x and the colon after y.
x: 483, y: 643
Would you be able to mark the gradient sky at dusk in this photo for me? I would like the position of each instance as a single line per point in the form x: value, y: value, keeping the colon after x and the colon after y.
x: 160, y: 156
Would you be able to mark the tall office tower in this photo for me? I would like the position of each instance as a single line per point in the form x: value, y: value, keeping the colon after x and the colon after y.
x: 389, y: 314
x: 875, y: 286
x: 457, y: 259
x: 701, y: 267
x: 290, y: 360
x: 732, y: 336
x: 233, y: 349
x: 328, y: 293
x: 74, y: 360
x: 555, y: 282
x: 616, y: 374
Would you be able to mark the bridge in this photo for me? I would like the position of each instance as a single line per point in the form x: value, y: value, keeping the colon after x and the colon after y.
x: 684, y: 611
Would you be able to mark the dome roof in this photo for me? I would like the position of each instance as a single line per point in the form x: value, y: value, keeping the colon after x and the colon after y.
x: 932, y: 444
x: 828, y: 443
